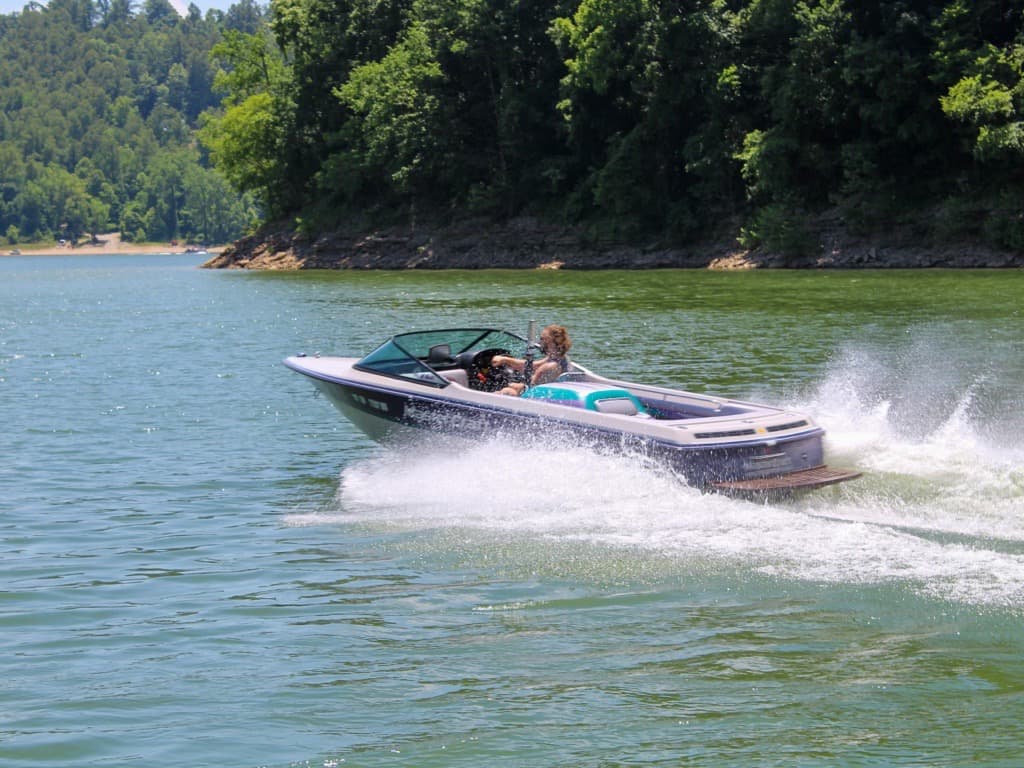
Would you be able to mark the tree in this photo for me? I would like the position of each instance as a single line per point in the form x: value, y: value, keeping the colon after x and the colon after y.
x: 209, y: 212
x: 91, y: 95
x: 986, y: 80
x: 247, y: 142
x: 395, y: 114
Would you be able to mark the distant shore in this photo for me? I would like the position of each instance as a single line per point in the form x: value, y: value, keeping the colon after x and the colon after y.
x: 107, y: 244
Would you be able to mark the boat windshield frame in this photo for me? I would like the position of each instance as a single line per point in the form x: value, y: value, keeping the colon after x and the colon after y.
x: 405, y: 355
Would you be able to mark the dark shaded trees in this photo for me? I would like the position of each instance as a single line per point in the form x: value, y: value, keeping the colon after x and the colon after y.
x: 673, y: 119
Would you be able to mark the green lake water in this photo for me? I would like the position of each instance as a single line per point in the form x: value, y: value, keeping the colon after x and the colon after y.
x: 203, y: 564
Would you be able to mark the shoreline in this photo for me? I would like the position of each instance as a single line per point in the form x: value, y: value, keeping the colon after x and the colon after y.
x: 526, y: 243
x: 109, y: 244
x: 127, y: 249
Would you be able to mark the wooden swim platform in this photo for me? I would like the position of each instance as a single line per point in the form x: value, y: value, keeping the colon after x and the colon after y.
x: 802, y: 480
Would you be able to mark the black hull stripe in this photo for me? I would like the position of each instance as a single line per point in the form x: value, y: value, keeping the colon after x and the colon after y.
x: 465, y: 405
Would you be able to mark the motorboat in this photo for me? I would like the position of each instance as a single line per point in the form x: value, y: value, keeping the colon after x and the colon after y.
x: 442, y: 384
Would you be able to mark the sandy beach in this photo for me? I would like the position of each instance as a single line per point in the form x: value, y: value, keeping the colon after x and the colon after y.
x: 106, y: 243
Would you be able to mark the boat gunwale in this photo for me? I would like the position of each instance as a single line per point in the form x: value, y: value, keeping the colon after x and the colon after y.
x: 662, y: 441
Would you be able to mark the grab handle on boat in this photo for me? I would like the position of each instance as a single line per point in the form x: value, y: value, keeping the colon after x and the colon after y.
x: 531, y: 336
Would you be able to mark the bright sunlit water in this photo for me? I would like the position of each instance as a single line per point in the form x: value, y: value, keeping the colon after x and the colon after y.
x: 203, y: 564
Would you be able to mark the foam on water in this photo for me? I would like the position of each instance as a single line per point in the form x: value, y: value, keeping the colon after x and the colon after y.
x: 939, y: 510
x: 943, y: 451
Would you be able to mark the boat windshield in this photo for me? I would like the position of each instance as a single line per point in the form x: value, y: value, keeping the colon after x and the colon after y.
x: 406, y: 355
x: 459, y: 340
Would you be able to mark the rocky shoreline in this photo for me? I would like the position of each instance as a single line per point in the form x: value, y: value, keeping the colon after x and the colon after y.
x: 529, y: 244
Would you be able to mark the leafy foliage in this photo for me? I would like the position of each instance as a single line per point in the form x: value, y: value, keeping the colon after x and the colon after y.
x: 671, y: 119
x: 648, y: 117
x: 100, y: 106
x: 395, y: 111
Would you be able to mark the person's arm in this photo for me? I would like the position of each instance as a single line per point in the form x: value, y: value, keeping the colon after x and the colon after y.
x: 512, y: 362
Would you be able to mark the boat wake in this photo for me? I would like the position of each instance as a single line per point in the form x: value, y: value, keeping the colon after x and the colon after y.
x: 937, y: 513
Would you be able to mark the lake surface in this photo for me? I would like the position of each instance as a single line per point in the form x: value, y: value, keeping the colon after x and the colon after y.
x: 202, y: 564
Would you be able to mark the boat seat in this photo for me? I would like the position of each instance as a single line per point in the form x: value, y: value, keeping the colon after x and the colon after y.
x: 622, y: 405
x: 592, y: 397
x: 456, y: 375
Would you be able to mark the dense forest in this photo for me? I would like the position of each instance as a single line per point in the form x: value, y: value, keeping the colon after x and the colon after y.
x: 671, y: 120
x: 666, y: 119
x: 101, y: 103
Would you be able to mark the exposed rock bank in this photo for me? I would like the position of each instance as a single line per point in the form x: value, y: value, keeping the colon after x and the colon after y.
x: 529, y: 244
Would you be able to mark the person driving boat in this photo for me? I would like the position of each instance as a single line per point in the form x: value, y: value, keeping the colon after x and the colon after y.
x: 554, y: 344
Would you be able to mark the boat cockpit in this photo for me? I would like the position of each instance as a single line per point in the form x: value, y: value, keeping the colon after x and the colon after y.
x: 462, y: 358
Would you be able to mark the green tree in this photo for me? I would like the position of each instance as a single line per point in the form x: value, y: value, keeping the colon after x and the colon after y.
x: 651, y: 133
x: 247, y: 142
x: 986, y: 75
x: 396, y: 125
x: 56, y: 203
x: 91, y: 95
x: 209, y: 212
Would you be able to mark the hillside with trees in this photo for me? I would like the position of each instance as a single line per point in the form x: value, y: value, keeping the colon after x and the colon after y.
x: 672, y: 120
x: 100, y: 103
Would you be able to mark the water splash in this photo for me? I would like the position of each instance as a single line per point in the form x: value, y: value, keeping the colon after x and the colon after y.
x: 945, y: 440
x: 938, y: 511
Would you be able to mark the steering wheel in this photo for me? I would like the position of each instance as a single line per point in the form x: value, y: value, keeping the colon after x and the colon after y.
x: 483, y: 375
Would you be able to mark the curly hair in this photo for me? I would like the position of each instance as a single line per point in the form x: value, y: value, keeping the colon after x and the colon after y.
x: 559, y: 339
